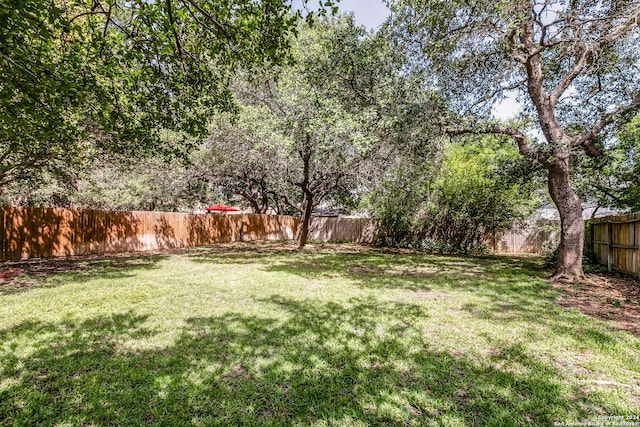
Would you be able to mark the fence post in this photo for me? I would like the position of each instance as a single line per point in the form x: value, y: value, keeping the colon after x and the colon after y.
x: 636, y: 242
x: 610, y: 246
x: 3, y: 235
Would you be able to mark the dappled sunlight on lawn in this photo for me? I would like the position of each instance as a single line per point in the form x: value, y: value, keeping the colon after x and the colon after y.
x: 217, y: 337
x: 325, y: 362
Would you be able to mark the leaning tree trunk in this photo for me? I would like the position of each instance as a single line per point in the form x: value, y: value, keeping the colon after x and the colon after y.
x: 571, y: 223
x: 305, y: 219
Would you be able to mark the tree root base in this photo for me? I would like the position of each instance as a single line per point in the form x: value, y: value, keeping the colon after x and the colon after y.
x: 568, y: 277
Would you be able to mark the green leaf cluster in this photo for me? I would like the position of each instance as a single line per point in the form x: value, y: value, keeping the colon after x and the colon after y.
x: 136, y: 78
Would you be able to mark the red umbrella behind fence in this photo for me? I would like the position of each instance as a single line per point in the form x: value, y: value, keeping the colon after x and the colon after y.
x: 221, y: 209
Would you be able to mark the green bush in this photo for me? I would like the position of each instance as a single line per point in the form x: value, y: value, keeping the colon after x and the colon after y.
x: 477, y: 187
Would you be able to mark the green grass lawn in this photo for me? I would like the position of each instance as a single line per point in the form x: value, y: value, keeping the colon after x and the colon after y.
x: 252, y: 335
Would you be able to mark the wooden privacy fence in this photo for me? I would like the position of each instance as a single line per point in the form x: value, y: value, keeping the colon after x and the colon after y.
x: 615, y: 241
x: 335, y: 229
x: 529, y: 236
x: 50, y: 232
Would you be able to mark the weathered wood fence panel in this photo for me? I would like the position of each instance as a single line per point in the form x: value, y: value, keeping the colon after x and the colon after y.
x: 615, y: 241
x: 529, y: 236
x: 336, y: 229
x: 49, y: 232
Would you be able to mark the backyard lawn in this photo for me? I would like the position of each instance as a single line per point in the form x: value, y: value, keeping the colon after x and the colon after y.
x: 261, y: 334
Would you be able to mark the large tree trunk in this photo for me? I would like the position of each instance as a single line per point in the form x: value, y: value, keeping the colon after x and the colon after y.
x: 305, y: 220
x: 571, y: 222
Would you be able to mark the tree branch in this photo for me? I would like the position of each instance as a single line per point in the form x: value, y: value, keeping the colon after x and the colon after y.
x: 209, y: 17
x: 91, y: 12
x: 588, y: 50
x: 173, y: 28
x: 584, y: 139
x: 285, y: 199
x: 607, y: 192
x: 523, y: 143
x: 533, y: 65
x: 500, y: 90
x: 573, y: 72
x: 632, y: 21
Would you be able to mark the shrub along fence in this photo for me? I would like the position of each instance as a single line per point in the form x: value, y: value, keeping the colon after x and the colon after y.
x: 615, y: 241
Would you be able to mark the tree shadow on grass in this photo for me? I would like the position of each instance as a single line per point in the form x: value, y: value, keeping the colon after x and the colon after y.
x: 510, y: 290
x: 357, y: 363
x: 51, y: 272
x: 510, y: 293
x: 418, y: 272
x: 244, y: 252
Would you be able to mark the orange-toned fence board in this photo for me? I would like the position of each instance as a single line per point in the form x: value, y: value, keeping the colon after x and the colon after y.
x: 47, y: 232
x: 268, y: 227
x: 616, y: 242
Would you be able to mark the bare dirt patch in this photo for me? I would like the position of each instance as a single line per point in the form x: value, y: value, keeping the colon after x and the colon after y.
x: 614, y: 299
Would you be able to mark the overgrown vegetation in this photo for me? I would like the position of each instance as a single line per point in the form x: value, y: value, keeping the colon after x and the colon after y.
x: 477, y: 187
x: 262, y: 335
